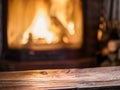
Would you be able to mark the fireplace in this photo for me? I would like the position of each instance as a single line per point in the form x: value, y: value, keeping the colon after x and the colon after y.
x: 44, y: 24
x: 71, y: 41
x: 42, y: 29
x: 48, y: 29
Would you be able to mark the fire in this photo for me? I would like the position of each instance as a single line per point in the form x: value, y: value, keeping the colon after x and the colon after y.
x: 39, y: 29
x: 71, y: 28
x: 44, y: 24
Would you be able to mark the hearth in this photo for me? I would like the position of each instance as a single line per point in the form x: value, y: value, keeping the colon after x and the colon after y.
x: 46, y: 30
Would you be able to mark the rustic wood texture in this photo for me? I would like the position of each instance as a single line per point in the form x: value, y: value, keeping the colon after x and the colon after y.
x: 71, y: 79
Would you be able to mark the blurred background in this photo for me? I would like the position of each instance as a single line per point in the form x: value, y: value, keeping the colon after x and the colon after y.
x: 50, y: 34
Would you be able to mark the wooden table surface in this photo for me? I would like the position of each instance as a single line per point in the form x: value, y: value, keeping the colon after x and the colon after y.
x: 67, y: 79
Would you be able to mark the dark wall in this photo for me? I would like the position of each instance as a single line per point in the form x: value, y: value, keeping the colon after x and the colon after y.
x: 92, y: 11
x: 0, y: 27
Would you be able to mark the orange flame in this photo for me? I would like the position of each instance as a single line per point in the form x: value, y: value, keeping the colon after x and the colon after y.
x: 39, y: 29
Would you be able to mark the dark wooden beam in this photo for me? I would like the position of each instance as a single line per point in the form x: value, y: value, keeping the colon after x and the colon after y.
x: 105, y: 78
x: 6, y: 65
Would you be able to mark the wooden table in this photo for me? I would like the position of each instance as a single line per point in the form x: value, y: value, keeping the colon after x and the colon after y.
x: 103, y: 78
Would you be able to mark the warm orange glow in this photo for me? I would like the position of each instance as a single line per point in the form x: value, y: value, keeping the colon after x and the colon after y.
x: 40, y: 28
x: 59, y: 10
x: 45, y: 24
x: 65, y: 40
x: 99, y: 36
x: 71, y: 28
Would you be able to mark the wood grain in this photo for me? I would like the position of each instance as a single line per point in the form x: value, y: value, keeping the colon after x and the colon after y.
x: 61, y: 79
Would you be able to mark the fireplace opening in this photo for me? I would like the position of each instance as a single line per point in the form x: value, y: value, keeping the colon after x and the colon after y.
x: 44, y: 24
x: 42, y: 29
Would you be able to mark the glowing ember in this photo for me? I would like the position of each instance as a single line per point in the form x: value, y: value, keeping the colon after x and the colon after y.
x: 99, y: 36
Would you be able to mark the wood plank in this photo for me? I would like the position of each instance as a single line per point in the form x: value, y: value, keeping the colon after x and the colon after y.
x: 104, y: 77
